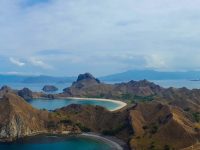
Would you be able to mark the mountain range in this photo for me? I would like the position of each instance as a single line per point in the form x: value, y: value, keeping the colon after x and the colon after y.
x: 152, y: 75
x: 118, y: 77
x: 34, y: 79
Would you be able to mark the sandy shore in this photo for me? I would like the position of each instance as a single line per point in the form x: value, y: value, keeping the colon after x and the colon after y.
x: 114, y: 145
x: 121, y: 104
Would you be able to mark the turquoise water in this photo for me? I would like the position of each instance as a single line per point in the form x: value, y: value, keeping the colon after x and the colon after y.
x: 165, y: 83
x: 58, y: 103
x: 56, y: 143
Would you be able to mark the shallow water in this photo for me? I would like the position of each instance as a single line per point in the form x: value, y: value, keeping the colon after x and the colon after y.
x: 58, y: 103
x: 56, y: 143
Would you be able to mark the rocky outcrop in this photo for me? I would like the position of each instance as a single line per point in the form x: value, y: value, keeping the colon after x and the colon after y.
x: 5, y: 89
x: 25, y: 93
x: 88, y: 77
x: 49, y: 88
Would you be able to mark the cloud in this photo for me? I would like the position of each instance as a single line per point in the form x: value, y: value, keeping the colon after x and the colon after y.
x: 39, y: 63
x: 155, y: 61
x: 101, y: 36
x: 16, y: 62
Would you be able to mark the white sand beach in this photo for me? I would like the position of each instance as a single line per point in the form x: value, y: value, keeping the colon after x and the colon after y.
x: 121, y: 104
x: 114, y: 145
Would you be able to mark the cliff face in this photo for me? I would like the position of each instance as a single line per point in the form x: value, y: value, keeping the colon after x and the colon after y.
x: 18, y: 118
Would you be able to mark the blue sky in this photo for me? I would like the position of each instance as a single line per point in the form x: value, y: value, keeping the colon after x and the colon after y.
x: 68, y: 37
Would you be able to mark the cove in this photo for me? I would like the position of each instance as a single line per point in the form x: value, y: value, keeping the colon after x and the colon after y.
x: 57, y: 142
x: 58, y: 103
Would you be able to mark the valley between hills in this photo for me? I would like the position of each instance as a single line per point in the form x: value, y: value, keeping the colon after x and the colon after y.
x: 155, y: 118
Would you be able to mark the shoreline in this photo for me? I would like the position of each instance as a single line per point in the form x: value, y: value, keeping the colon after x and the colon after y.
x: 113, y: 142
x: 110, y: 141
x: 122, y: 104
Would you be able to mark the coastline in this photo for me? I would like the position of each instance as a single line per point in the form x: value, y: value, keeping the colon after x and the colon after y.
x: 115, y: 144
x: 122, y: 104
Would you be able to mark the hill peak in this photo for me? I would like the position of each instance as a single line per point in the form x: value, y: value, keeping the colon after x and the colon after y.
x: 86, y: 76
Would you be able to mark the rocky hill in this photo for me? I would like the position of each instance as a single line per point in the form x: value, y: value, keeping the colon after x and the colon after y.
x: 98, y: 119
x: 49, y: 88
x: 18, y: 118
x: 88, y: 86
x: 161, y: 126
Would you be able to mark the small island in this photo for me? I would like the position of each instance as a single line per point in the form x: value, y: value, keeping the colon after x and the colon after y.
x: 50, y: 88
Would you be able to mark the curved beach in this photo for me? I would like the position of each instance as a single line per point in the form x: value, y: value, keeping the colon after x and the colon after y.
x: 121, y: 104
x: 114, y: 145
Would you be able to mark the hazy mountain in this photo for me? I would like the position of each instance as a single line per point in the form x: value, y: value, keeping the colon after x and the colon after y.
x: 48, y: 79
x: 34, y: 79
x: 12, y: 78
x: 152, y: 75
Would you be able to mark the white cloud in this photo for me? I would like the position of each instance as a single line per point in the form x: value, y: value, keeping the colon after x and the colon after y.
x: 39, y: 63
x: 16, y: 62
x: 155, y: 61
x: 86, y: 34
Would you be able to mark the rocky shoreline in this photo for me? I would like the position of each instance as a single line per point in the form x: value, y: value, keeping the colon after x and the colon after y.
x: 113, y: 142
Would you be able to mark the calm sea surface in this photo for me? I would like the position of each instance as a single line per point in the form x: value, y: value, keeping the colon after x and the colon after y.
x: 178, y: 83
x: 56, y: 143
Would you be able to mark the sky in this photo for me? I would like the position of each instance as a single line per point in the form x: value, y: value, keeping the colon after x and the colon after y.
x: 68, y: 37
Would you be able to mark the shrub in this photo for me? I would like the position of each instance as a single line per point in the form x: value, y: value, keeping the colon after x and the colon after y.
x: 83, y: 128
x: 65, y: 121
x: 166, y: 147
x: 196, y: 116
x: 153, y: 129
x: 115, y: 130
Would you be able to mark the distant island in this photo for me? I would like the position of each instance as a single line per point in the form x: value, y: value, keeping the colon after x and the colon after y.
x: 118, y: 77
x: 152, y: 75
x: 195, y: 80
x: 49, y: 88
x: 34, y: 79
x: 154, y: 118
